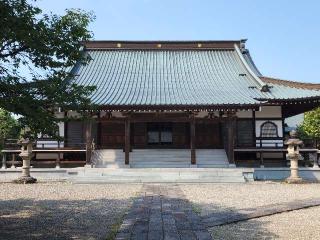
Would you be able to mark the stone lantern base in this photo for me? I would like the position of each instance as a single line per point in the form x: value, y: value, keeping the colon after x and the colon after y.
x: 25, y: 180
x: 294, y: 180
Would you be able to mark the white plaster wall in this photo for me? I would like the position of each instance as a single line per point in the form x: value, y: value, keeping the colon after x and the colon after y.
x: 61, y: 129
x: 73, y: 114
x: 270, y: 155
x: 202, y: 114
x: 269, y: 143
x: 49, y: 156
x: 244, y: 114
x: 117, y: 114
x: 59, y: 114
x: 277, y: 122
x: 52, y: 144
x: 48, y: 144
x: 269, y: 112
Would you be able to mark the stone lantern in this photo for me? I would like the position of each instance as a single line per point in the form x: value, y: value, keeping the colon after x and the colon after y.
x: 26, y: 155
x: 293, y: 155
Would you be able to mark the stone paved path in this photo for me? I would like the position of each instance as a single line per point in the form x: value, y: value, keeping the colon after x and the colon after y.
x: 162, y: 212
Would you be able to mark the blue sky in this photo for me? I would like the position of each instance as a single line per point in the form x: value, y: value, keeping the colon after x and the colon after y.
x: 283, y: 35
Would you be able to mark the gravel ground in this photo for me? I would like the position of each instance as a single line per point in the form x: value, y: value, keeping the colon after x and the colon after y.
x: 234, y: 197
x: 66, y: 211
x: 222, y: 198
x: 62, y: 210
x: 296, y: 225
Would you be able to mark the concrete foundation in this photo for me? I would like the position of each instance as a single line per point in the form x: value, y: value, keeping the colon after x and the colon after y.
x: 191, y: 174
x: 308, y: 174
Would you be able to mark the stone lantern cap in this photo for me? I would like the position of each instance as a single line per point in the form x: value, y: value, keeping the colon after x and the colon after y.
x: 26, y: 147
x: 293, y: 140
x: 24, y: 141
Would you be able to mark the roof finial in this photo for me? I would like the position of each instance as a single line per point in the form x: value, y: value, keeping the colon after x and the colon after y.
x: 243, y: 45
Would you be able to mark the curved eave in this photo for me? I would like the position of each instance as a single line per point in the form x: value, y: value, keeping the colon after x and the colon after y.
x: 292, y: 100
x: 263, y: 85
x: 289, y: 83
x: 226, y: 107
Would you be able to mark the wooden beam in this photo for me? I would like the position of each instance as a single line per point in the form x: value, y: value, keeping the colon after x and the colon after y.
x: 231, y: 137
x: 160, y: 117
x: 127, y: 141
x: 192, y: 139
x: 88, y: 141
x: 254, y: 141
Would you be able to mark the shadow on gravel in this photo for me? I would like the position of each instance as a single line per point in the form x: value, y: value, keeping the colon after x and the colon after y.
x: 226, y: 223
x: 59, y: 219
x: 93, y: 219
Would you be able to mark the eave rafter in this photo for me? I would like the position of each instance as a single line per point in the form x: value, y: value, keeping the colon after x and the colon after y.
x: 179, y: 108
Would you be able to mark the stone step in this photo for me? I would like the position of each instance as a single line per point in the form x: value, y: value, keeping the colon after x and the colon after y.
x: 163, y: 170
x: 190, y: 175
x: 213, y: 166
x: 160, y: 158
x: 160, y: 165
x: 170, y: 174
x: 218, y: 179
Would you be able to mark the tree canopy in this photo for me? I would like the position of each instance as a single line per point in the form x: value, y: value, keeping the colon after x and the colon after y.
x: 9, y: 126
x: 37, y: 51
x: 311, y: 125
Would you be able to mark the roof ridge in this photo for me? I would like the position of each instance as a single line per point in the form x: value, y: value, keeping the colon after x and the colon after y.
x: 163, y: 41
x: 290, y: 83
x: 168, y: 45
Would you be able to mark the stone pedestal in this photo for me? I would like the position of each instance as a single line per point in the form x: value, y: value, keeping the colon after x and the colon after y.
x: 314, y: 157
x: 293, y: 155
x: 13, y: 166
x: 26, y: 155
x: 4, y: 161
x: 294, y: 172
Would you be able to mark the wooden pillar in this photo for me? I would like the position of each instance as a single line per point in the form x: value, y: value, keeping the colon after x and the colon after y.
x: 88, y: 141
x: 231, y: 137
x: 127, y: 141
x: 13, y: 161
x: 192, y: 139
x: 4, y: 161
x: 261, y: 160
x: 58, y: 157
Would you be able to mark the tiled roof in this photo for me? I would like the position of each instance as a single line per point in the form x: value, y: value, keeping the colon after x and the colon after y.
x: 291, y: 90
x: 294, y: 84
x: 181, y: 77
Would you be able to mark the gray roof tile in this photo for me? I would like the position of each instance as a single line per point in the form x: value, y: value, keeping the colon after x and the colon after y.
x: 180, y: 77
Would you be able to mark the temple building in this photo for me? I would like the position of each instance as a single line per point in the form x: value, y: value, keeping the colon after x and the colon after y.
x: 183, y: 104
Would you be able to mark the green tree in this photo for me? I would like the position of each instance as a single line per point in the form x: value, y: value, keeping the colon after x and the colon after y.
x: 310, y: 127
x: 36, y: 52
x: 9, y: 127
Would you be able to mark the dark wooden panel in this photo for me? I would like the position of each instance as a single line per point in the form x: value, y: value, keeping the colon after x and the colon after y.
x: 180, y: 135
x: 245, y: 133
x: 139, y: 135
x: 208, y: 135
x: 112, y: 135
x: 75, y: 134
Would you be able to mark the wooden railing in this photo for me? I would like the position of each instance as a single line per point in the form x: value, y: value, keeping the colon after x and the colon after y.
x: 272, y: 142
x: 310, y: 155
x: 64, y: 155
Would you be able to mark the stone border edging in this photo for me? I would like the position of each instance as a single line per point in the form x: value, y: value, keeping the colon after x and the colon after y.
x: 263, y: 211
